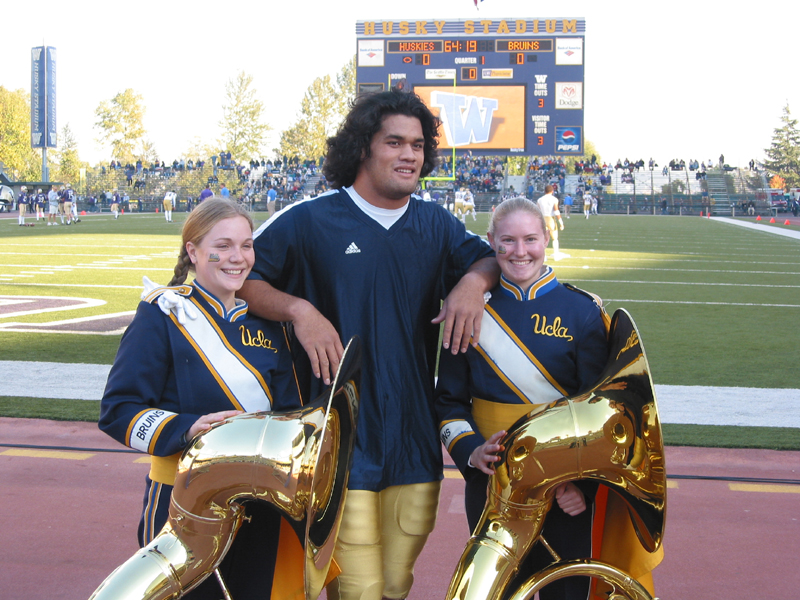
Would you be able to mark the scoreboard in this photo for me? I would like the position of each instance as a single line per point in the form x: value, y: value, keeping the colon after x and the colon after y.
x: 499, y: 86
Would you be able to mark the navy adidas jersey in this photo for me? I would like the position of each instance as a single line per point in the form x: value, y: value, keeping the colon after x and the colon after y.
x: 22, y: 198
x: 536, y: 346
x: 384, y: 286
x: 160, y: 384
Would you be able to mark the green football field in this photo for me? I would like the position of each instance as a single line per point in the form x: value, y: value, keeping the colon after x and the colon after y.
x: 716, y: 304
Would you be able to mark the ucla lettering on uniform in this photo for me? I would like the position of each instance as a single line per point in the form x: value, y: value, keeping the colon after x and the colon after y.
x: 257, y: 341
x: 466, y: 119
x: 541, y: 327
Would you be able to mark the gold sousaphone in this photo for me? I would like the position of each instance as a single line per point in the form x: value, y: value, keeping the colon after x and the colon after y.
x: 298, y: 461
x: 610, y: 434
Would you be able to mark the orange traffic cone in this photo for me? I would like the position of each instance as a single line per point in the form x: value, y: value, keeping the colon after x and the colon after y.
x: 701, y: 213
x: 83, y: 213
x: 772, y: 220
x: 758, y: 218
x: 786, y: 222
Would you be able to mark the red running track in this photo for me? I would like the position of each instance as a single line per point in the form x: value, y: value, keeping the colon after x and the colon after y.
x: 69, y: 519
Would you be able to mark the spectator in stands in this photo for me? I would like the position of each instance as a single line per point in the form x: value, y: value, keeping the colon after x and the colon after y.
x: 206, y: 193
x: 224, y: 192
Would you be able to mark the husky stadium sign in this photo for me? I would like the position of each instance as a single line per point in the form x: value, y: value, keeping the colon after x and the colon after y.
x: 500, y: 86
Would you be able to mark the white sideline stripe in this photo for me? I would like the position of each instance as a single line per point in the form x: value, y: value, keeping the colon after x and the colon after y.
x: 680, y: 404
x: 28, y: 379
x: 763, y: 228
x: 706, y: 405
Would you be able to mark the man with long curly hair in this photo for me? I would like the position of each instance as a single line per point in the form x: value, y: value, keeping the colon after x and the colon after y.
x: 370, y: 259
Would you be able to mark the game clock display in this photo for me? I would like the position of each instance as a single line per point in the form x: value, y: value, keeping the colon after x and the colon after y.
x: 503, y: 86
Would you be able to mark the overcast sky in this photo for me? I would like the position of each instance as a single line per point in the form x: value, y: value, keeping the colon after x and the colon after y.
x: 663, y: 79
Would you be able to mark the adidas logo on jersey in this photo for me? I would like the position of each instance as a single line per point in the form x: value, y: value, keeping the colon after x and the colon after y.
x: 352, y: 249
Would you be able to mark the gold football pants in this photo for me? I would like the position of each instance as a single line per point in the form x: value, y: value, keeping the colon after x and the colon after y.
x: 381, y: 536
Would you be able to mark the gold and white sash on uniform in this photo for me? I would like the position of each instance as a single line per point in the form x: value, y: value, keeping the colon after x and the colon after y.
x: 519, y: 369
x: 241, y: 382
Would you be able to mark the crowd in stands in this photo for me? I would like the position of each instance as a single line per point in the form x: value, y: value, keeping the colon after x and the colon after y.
x: 294, y: 179
x: 288, y: 176
x: 481, y: 174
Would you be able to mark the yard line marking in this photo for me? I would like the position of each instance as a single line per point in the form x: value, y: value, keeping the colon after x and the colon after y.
x: 74, y: 304
x: 16, y: 245
x: 683, y: 283
x: 80, y: 285
x: 680, y: 257
x: 702, y: 303
x: 99, y: 267
x: 610, y: 268
x: 760, y: 487
x: 75, y: 255
x: 47, y: 454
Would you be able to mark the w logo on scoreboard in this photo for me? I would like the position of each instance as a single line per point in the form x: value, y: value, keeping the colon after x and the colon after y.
x: 466, y: 119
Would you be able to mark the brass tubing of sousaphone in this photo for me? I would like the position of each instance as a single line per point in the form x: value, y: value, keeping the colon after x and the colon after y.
x: 623, y: 584
x: 611, y: 434
x: 298, y: 461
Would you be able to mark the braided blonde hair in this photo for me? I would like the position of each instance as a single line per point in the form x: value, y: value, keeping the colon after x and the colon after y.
x: 197, y: 225
x: 512, y: 205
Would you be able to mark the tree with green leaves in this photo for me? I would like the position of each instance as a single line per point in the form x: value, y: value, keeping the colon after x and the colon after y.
x: 67, y: 164
x: 20, y: 161
x: 346, y: 87
x: 121, y: 125
x: 783, y: 155
x: 243, y: 128
x: 323, y: 108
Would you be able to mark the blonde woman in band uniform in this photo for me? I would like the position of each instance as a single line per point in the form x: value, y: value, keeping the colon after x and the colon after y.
x: 523, y: 362
x: 193, y: 356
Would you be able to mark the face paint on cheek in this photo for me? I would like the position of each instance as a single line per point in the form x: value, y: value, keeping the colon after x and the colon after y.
x: 501, y: 249
x: 213, y: 258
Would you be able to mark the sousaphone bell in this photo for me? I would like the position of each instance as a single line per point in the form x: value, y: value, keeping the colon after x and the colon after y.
x: 610, y: 434
x: 298, y: 461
